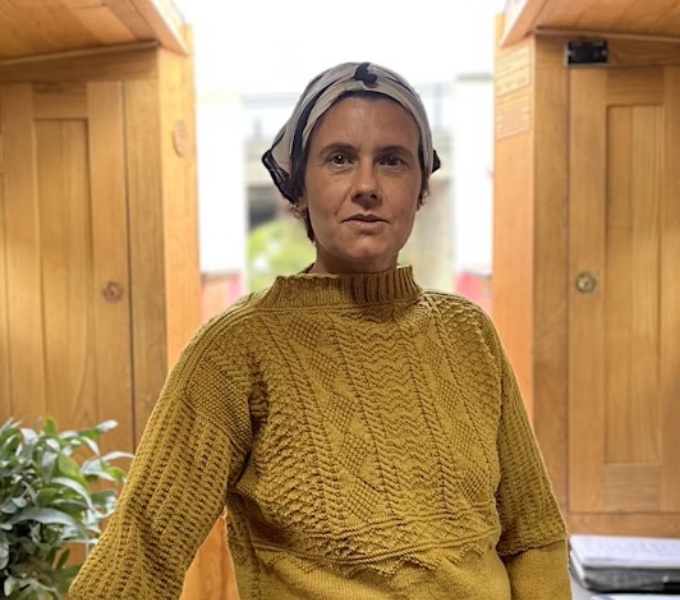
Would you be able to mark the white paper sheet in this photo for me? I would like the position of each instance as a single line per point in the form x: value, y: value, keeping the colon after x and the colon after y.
x: 609, y: 551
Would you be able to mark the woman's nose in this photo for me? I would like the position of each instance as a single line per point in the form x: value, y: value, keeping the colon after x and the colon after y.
x: 366, y: 186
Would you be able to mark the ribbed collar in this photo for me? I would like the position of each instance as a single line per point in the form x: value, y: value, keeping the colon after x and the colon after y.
x: 314, y: 289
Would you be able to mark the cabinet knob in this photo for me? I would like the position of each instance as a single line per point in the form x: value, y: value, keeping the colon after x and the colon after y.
x: 112, y: 291
x: 586, y: 282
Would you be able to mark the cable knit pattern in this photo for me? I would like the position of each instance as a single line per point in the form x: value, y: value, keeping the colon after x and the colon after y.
x: 369, y: 442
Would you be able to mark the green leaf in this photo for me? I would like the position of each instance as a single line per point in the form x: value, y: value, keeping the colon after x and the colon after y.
x: 53, y: 445
x: 74, y: 507
x: 46, y: 516
x: 91, y: 444
x: 63, y: 559
x: 68, y: 467
x: 49, y: 425
x: 11, y: 584
x: 75, y: 486
x: 46, y: 496
x: 4, y: 550
x: 106, y: 426
x: 103, y: 496
x: 29, y: 436
x: 20, y: 502
x: 116, y: 455
x: 8, y: 508
x: 117, y: 473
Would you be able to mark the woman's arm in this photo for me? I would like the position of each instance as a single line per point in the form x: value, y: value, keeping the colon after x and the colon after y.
x: 533, y: 538
x: 193, y: 446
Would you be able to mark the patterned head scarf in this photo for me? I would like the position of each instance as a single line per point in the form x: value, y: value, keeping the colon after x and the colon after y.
x: 321, y: 93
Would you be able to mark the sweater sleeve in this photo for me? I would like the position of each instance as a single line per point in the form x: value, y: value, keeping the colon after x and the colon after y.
x: 533, y: 533
x: 539, y: 573
x: 193, y: 447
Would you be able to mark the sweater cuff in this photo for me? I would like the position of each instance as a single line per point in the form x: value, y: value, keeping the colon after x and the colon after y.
x: 540, y: 573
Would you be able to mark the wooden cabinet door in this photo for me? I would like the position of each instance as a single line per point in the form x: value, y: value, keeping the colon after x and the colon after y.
x: 65, y: 312
x: 624, y: 300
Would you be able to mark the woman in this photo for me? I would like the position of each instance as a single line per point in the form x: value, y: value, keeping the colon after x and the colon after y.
x: 367, y: 437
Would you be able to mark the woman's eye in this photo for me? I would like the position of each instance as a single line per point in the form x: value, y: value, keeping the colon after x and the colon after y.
x: 338, y: 159
x: 393, y: 161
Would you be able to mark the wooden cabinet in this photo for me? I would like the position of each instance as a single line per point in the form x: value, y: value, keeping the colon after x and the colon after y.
x: 99, y: 275
x: 586, y: 288
x: 98, y: 258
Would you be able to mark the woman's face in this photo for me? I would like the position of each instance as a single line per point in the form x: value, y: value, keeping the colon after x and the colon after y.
x: 362, y: 185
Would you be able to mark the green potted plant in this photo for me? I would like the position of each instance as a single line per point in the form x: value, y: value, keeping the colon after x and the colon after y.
x: 55, y: 490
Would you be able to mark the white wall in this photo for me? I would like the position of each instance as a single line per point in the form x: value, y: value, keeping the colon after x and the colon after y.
x: 472, y: 175
x: 221, y: 183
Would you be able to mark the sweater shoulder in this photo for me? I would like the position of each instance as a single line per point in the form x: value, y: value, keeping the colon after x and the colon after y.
x: 229, y: 326
x: 221, y: 341
x: 465, y: 321
x: 450, y: 304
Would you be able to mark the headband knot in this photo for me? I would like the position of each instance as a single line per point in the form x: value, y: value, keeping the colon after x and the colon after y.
x: 362, y: 74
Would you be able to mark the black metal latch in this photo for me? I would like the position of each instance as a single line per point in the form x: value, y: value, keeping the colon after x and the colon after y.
x: 586, y: 53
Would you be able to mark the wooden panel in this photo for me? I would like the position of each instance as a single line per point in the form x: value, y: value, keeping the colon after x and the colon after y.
x: 180, y: 210
x: 513, y: 256
x: 626, y: 53
x: 631, y: 488
x: 639, y: 18
x: 147, y: 271
x: 512, y: 287
x: 22, y: 229
x: 110, y: 262
x: 12, y: 44
x: 66, y: 266
x: 40, y: 28
x: 653, y: 524
x: 566, y: 15
x: 603, y: 14
x: 80, y: 4
x: 635, y: 87
x: 633, y: 285
x: 644, y: 410
x: 60, y: 101
x: 137, y: 61
x: 618, y: 282
x: 668, y: 21
x: 103, y: 24
x: 5, y: 386
x: 670, y: 300
x: 550, y: 262
x: 127, y: 12
x: 587, y: 176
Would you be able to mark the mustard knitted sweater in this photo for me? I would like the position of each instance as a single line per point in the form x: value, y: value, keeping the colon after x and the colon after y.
x: 369, y: 442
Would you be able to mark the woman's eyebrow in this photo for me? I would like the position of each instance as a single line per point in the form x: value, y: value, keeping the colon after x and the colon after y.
x: 396, y: 149
x: 338, y: 147
x: 349, y: 149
